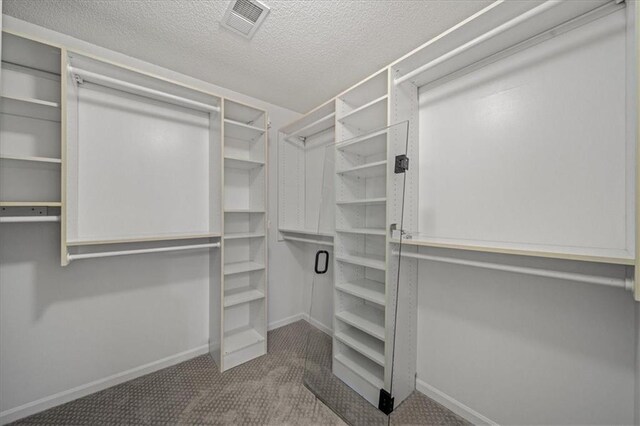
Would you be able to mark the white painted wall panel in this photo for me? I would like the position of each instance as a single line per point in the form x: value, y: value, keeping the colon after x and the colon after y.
x: 527, y: 350
x: 530, y: 152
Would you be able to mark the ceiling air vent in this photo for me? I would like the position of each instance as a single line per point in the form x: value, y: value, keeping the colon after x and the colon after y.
x: 245, y: 16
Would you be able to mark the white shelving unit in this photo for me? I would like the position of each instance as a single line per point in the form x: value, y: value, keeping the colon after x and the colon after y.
x: 360, y: 295
x: 305, y: 176
x: 30, y: 131
x: 241, y: 320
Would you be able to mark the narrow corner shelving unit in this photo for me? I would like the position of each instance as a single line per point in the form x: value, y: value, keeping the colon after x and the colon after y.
x: 360, y: 295
x: 30, y: 131
x: 243, y: 324
x: 305, y: 177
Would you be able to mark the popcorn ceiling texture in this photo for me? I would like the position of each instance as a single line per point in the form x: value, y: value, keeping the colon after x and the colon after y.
x: 305, y: 53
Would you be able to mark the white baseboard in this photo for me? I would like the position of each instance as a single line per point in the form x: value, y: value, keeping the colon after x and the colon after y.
x: 453, y: 404
x: 317, y: 324
x: 285, y: 321
x: 63, y: 397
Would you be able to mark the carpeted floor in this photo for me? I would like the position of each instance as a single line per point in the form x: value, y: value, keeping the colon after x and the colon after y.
x: 267, y: 390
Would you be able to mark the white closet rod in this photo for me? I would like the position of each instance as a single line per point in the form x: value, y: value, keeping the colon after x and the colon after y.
x: 22, y: 219
x: 71, y: 257
x: 480, y: 39
x: 625, y: 283
x: 135, y: 88
x: 306, y: 240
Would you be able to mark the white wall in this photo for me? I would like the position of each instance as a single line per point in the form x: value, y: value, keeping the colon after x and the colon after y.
x: 526, y: 350
x: 65, y: 332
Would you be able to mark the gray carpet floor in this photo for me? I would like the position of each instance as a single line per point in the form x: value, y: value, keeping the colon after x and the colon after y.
x: 269, y: 390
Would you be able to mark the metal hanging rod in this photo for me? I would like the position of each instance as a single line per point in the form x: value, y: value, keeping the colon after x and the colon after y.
x: 135, y: 88
x: 480, y: 39
x: 25, y: 219
x: 308, y: 240
x: 625, y: 283
x: 71, y: 257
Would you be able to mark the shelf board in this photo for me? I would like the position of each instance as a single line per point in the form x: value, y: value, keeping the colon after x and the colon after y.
x: 379, y: 168
x: 240, y: 267
x: 34, y: 101
x: 369, y: 290
x: 368, y: 116
x: 141, y: 239
x: 242, y: 235
x: 360, y: 370
x: 365, y: 318
x: 306, y: 232
x: 236, y: 340
x: 243, y: 295
x: 241, y: 163
x: 363, y: 231
x: 366, y: 345
x: 366, y: 145
x: 363, y: 201
x: 29, y: 108
x: 325, y: 123
x: 244, y: 211
x: 33, y: 159
x: 29, y: 219
x: 369, y: 261
x: 238, y: 130
x: 30, y: 204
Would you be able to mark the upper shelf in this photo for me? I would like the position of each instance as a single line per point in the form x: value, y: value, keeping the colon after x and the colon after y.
x: 237, y: 130
x: 368, y: 116
x: 324, y: 123
x: 500, y: 29
x: 365, y: 145
x: 28, y: 107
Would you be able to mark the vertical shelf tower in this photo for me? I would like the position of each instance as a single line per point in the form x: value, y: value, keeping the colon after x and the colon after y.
x: 31, y: 158
x: 361, y: 335
x: 243, y: 314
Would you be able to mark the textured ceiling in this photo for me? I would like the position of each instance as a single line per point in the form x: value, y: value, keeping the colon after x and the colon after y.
x: 304, y: 54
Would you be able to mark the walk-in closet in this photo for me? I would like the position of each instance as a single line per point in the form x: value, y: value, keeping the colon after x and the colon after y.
x: 349, y: 212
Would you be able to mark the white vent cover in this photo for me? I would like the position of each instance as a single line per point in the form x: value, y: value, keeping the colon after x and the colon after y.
x: 245, y: 16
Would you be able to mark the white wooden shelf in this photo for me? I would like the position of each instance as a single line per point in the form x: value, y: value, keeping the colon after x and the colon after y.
x: 379, y: 168
x: 244, y: 235
x: 325, y: 123
x: 366, y: 345
x: 365, y: 318
x: 140, y: 239
x: 365, y: 145
x: 364, y: 201
x: 306, y: 232
x: 361, y: 370
x: 29, y: 219
x: 241, y: 163
x: 369, y: 261
x: 241, y: 267
x: 30, y: 108
x: 39, y: 102
x: 236, y: 340
x: 238, y: 130
x: 243, y: 295
x: 31, y: 159
x: 369, y: 116
x: 30, y: 204
x: 369, y: 290
x: 363, y: 231
x: 244, y: 210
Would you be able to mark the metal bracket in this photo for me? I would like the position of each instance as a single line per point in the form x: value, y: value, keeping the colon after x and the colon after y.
x: 402, y: 164
x: 385, y: 403
x: 78, y: 79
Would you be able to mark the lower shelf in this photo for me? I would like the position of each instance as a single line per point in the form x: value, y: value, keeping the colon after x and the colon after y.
x: 242, y: 295
x: 236, y: 340
x: 365, y: 318
x: 363, y: 368
x: 28, y: 219
x: 366, y: 345
x: 240, y: 267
